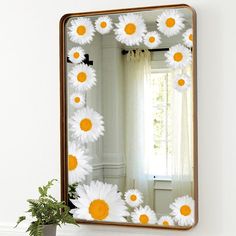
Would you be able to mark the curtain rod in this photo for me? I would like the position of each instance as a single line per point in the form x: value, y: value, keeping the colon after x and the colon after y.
x: 124, y: 52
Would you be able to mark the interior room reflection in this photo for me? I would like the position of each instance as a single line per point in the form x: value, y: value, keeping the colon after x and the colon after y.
x: 148, y: 137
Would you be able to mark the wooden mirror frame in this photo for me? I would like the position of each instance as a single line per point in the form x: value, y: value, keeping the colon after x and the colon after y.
x: 64, y: 118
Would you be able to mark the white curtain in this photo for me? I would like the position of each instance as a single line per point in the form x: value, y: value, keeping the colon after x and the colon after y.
x: 138, y: 139
x: 182, y: 140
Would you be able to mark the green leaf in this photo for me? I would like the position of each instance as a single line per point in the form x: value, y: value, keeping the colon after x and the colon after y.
x: 46, y: 210
x: 72, y: 190
x: 43, y: 191
x: 20, y: 219
x: 35, y: 229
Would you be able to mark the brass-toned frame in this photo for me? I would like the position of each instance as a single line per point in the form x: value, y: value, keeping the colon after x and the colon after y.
x: 63, y: 113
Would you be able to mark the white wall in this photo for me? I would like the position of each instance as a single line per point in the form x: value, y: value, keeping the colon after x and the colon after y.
x: 29, y: 101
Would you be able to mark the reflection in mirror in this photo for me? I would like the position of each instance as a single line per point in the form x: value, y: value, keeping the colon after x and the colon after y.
x: 130, y: 108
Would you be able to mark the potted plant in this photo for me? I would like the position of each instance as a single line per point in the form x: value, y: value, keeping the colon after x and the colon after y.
x: 47, y: 213
x: 72, y: 193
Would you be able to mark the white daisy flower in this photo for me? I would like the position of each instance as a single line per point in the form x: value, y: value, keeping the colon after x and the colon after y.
x: 87, y: 125
x: 77, y: 100
x: 81, y: 30
x: 76, y: 55
x: 188, y: 38
x: 178, y: 56
x: 166, y: 221
x: 182, y: 82
x: 78, y: 164
x: 99, y: 201
x: 170, y: 22
x: 82, y: 77
x: 103, y: 24
x: 133, y: 197
x: 144, y: 215
x: 131, y: 29
x: 152, y: 39
x: 183, y: 211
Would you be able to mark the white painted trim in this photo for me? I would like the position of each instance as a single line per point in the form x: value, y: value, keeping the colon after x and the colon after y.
x: 109, y: 170
x: 109, y: 165
x: 7, y: 229
x: 163, y: 185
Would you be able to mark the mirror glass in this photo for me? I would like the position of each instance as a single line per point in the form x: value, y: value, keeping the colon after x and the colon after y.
x: 130, y: 109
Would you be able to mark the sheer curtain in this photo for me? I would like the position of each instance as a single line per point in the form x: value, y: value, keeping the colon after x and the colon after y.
x: 138, y: 139
x: 182, y: 140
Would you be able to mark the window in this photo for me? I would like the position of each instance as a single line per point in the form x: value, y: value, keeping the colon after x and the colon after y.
x: 161, y: 90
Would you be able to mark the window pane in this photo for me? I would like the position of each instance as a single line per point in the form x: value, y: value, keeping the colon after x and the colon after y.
x: 161, y: 91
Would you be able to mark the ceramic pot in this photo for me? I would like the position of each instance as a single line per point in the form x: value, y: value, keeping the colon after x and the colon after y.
x: 49, y: 230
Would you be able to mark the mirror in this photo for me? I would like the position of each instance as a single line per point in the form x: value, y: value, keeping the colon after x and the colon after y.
x: 129, y: 116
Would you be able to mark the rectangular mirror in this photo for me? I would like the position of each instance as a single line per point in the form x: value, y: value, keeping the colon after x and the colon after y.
x: 129, y: 117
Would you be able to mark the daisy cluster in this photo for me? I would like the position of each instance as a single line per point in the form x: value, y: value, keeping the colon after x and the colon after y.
x: 103, y: 202
x: 131, y: 30
x: 86, y: 125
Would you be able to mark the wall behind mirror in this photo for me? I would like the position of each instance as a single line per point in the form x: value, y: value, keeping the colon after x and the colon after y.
x: 129, y: 117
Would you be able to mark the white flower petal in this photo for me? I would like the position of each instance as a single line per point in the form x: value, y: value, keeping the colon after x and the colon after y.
x: 182, y: 82
x: 78, y: 164
x: 152, y: 39
x: 178, y: 56
x: 86, y: 125
x: 170, y: 22
x: 188, y: 38
x: 166, y: 221
x: 81, y: 30
x: 82, y: 77
x: 99, y: 208
x: 143, y: 215
x: 77, y: 100
x: 103, y: 24
x: 76, y: 55
x: 133, y: 197
x: 131, y: 29
x: 183, y: 211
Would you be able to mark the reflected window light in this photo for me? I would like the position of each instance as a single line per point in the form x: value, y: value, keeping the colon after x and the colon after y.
x: 159, y: 92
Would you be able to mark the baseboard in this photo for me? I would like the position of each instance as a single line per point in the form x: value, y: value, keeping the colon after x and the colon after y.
x: 8, y: 229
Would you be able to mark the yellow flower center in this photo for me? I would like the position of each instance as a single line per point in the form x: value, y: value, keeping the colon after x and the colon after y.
x: 72, y: 162
x: 133, y: 197
x: 190, y: 37
x: 103, y: 24
x: 185, y: 210
x: 170, y: 22
x: 143, y: 219
x: 76, y: 55
x: 152, y: 39
x: 165, y: 223
x: 76, y: 99
x: 178, y: 56
x: 81, y: 30
x: 181, y: 82
x: 99, y: 209
x: 130, y: 28
x: 81, y: 77
x: 86, y: 124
